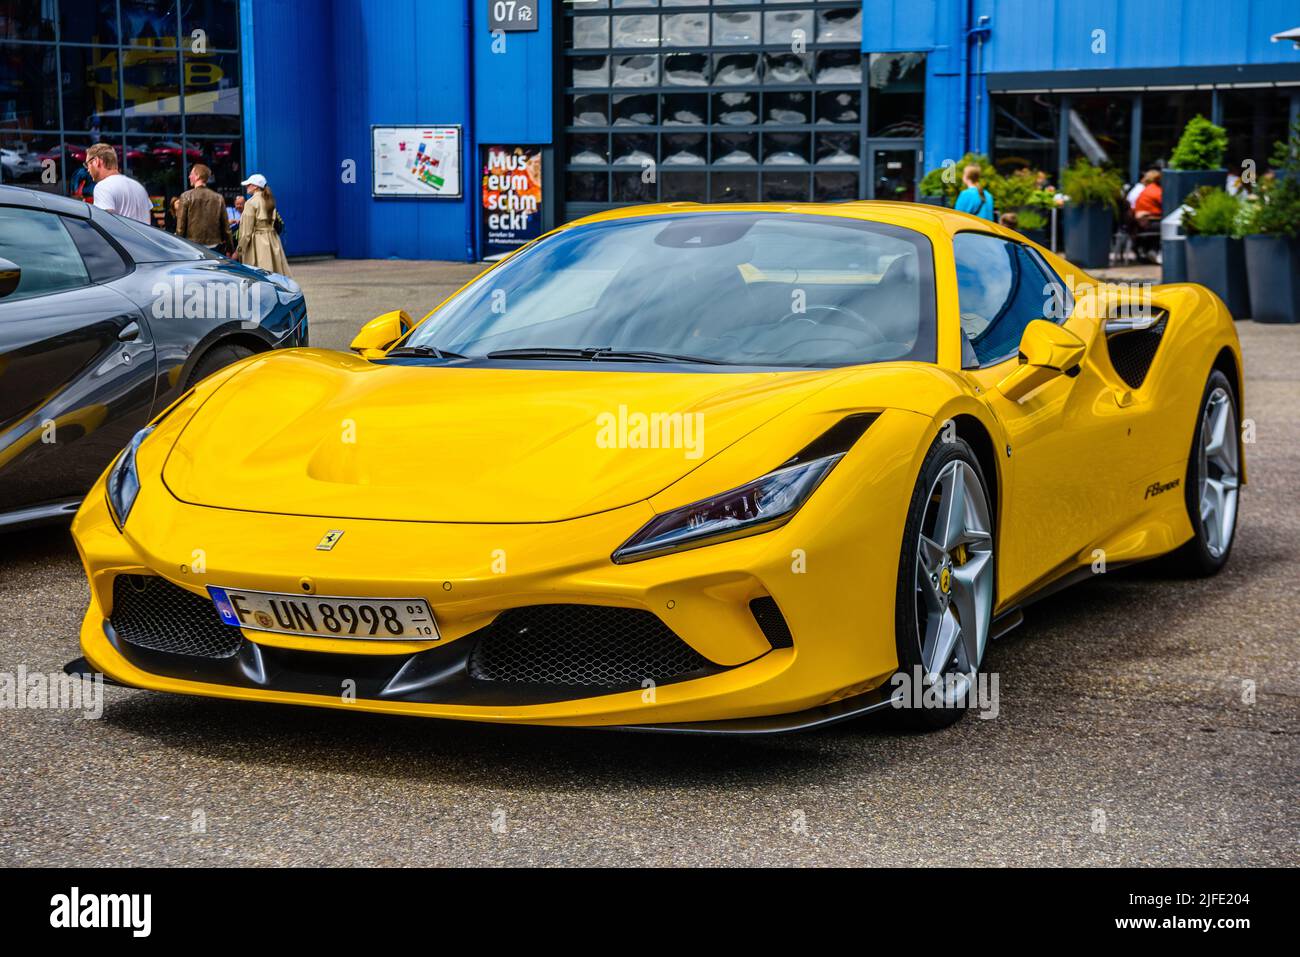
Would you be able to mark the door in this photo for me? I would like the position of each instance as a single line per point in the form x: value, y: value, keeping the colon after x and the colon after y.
x: 894, y: 170
x: 1062, y: 457
x: 77, y: 369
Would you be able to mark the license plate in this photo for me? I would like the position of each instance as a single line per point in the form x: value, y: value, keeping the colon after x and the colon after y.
x: 377, y: 619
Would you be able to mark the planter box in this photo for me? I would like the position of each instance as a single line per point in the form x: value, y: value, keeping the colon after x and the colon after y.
x: 1177, y: 184
x: 1037, y: 236
x: 1273, y: 273
x: 1088, y: 232
x: 1219, y: 264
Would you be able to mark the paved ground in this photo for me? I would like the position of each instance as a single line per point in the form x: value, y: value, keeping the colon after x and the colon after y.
x: 1123, y: 736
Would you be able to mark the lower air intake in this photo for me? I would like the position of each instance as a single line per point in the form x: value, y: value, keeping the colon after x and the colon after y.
x: 150, y: 612
x: 587, y: 646
x: 775, y: 628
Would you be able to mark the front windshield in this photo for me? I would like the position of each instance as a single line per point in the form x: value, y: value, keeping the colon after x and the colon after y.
x: 743, y: 288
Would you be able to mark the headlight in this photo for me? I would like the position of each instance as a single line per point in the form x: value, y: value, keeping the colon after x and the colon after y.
x: 760, y: 506
x: 124, y: 480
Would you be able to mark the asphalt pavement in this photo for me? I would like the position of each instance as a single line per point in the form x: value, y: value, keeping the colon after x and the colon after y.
x: 1142, y: 720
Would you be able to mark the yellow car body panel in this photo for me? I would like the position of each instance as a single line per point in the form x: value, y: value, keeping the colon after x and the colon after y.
x: 516, y: 505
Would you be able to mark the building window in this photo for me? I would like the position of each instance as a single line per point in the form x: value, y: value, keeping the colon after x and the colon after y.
x: 76, y: 72
x: 1164, y: 114
x: 1026, y: 130
x: 1255, y: 121
x: 896, y: 103
x: 722, y: 101
x: 1101, y: 129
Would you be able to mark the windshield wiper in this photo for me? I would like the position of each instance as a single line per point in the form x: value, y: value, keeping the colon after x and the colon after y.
x: 600, y: 355
x: 431, y: 351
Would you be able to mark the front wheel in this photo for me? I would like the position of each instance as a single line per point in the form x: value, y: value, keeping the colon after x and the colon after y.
x: 945, y: 586
x: 1213, y: 480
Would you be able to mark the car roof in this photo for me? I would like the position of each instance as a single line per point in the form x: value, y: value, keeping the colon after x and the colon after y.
x: 32, y: 199
x: 920, y: 216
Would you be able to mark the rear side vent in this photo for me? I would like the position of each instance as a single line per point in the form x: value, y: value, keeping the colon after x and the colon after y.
x: 772, y: 622
x: 1131, y: 353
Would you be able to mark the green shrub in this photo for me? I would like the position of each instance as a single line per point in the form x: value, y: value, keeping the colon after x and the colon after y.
x: 1201, y: 146
x: 1020, y: 191
x: 1275, y: 209
x: 1031, y: 219
x: 1089, y: 185
x: 1212, y: 212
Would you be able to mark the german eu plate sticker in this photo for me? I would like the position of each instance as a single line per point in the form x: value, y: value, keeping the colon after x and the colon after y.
x: 224, y: 607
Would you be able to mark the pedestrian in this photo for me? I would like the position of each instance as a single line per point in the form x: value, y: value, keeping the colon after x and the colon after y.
x: 202, y: 216
x: 1149, y: 205
x: 974, y: 199
x: 1149, y: 177
x: 116, y: 192
x: 259, y: 229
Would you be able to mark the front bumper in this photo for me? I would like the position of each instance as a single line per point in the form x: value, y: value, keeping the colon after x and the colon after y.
x: 831, y: 572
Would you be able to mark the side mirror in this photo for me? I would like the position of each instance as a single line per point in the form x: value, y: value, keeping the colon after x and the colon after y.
x: 11, y: 274
x: 378, y: 335
x: 1046, y: 351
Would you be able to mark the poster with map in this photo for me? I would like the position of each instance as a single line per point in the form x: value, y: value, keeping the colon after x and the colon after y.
x: 417, y: 161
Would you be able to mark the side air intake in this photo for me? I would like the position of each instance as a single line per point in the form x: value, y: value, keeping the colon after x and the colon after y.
x: 1132, y: 350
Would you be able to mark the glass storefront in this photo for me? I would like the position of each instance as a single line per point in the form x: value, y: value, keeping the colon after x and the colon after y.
x: 158, y: 79
x: 1101, y: 126
x: 721, y: 101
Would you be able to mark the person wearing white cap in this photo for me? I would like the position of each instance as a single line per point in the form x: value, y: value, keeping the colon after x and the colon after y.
x: 259, y: 229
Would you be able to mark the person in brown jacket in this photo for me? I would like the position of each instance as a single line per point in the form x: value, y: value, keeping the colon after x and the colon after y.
x: 202, y: 216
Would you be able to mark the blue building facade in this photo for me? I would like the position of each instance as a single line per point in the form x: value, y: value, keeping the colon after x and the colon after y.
x: 624, y: 101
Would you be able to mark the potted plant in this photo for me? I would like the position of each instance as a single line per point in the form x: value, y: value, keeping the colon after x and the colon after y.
x: 1033, y: 225
x: 938, y: 191
x: 1273, y: 238
x: 1020, y: 193
x: 1216, y: 256
x: 1093, y: 194
x: 1197, y: 161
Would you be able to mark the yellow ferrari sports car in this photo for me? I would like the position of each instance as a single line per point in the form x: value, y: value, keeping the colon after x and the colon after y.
x: 700, y: 468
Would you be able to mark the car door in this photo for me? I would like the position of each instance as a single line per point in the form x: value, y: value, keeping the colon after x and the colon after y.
x: 1061, y: 456
x: 77, y: 367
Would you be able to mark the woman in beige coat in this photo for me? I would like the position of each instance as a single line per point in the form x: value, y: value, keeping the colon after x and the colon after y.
x: 259, y: 244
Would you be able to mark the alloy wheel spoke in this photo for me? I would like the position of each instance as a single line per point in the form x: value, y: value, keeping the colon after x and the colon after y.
x: 940, y: 640
x: 951, y: 523
x: 929, y: 559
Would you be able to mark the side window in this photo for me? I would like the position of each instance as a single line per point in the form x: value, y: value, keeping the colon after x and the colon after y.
x: 103, y: 262
x: 42, y: 248
x: 1000, y: 290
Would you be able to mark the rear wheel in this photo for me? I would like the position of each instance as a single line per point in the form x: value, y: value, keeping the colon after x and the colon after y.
x: 945, y: 584
x: 217, y: 358
x: 1213, y: 480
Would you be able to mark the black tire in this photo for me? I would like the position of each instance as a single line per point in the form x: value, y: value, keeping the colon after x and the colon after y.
x: 215, y: 359
x: 907, y: 633
x: 1194, y: 558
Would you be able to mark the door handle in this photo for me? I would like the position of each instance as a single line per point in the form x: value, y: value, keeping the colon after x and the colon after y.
x: 129, y: 333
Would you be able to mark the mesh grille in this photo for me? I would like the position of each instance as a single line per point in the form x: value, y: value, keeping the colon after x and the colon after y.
x: 773, y: 623
x: 1131, y: 353
x: 581, y: 645
x: 151, y: 612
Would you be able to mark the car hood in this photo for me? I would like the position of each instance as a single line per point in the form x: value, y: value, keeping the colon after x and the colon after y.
x: 311, y: 432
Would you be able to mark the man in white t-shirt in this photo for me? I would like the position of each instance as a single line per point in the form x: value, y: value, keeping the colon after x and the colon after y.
x: 114, y: 190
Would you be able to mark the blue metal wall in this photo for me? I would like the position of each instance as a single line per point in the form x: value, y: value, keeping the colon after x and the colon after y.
x: 319, y: 74
x: 289, y: 95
